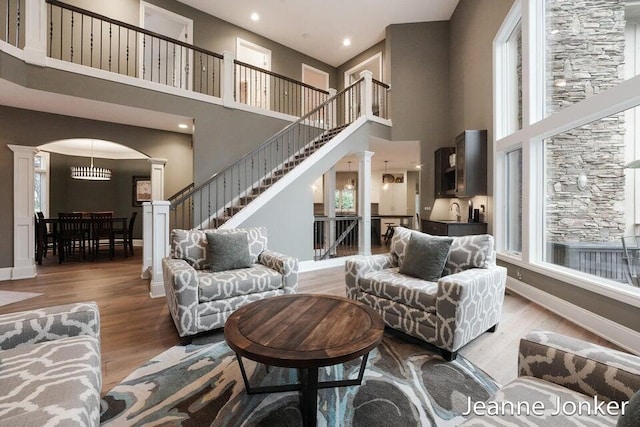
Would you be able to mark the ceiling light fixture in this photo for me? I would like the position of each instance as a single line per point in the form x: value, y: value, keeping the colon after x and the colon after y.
x: 90, y: 173
x: 183, y: 126
x: 349, y: 185
x: 346, y: 42
x: 255, y: 17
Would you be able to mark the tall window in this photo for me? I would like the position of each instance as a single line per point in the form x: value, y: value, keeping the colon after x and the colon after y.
x: 568, y: 196
x: 41, y: 182
x: 513, y: 190
x: 346, y: 201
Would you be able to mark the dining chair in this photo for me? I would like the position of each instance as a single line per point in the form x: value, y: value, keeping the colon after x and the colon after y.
x: 45, y: 234
x: 124, y: 236
x: 101, y: 233
x: 70, y: 233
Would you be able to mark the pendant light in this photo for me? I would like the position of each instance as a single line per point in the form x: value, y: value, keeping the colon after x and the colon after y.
x: 349, y: 185
x: 386, y: 184
x: 90, y: 173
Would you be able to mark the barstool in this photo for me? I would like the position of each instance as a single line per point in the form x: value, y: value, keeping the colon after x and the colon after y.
x: 389, y: 233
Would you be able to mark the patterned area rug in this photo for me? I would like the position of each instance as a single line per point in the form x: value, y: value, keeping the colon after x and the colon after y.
x: 405, y: 384
x: 9, y: 297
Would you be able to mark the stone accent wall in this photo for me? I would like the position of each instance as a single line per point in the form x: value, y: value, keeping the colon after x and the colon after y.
x: 585, y: 55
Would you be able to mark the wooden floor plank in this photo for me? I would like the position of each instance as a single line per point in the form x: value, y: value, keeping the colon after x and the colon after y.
x: 135, y: 327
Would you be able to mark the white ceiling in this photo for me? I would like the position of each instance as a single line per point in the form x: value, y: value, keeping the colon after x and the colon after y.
x: 92, y: 148
x: 326, y: 23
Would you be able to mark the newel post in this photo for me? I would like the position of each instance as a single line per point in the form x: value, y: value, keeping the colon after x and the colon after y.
x: 228, y: 83
x: 364, y: 202
x: 333, y: 111
x: 35, y: 35
x: 160, y: 247
x: 366, y: 96
x: 147, y: 240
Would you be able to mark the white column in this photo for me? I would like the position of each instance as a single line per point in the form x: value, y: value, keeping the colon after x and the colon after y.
x: 160, y: 247
x: 366, y: 96
x: 364, y: 202
x: 147, y: 240
x: 228, y: 82
x: 330, y: 206
x: 35, y: 40
x: 23, y: 219
x: 157, y: 178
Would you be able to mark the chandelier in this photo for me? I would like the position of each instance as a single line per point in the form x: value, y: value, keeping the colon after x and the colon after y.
x: 90, y: 173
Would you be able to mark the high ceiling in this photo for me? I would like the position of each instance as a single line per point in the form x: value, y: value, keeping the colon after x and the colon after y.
x: 318, y: 27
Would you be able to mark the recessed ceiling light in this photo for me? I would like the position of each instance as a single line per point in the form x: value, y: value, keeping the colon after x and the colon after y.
x: 255, y: 17
x: 183, y: 126
x: 346, y: 42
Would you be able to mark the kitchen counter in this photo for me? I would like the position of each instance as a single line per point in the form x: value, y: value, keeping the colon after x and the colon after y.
x: 448, y: 227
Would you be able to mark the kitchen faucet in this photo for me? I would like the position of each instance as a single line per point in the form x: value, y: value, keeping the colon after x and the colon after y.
x: 457, y: 211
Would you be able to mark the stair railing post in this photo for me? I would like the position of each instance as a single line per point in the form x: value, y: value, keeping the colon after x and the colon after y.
x: 366, y: 96
x: 157, y: 178
x: 160, y: 249
x: 330, y: 207
x: 364, y: 202
x: 35, y: 35
x: 228, y: 79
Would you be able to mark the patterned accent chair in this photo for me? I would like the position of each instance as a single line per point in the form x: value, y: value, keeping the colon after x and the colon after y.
x: 50, y: 371
x: 201, y: 300
x: 464, y: 303
x: 556, y: 369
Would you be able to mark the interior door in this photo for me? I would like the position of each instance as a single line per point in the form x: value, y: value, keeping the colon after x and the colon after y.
x: 253, y: 86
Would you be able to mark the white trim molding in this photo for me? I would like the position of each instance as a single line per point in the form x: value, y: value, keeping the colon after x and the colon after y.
x: 23, y: 213
x: 601, y: 326
x: 311, y: 265
x: 5, y: 273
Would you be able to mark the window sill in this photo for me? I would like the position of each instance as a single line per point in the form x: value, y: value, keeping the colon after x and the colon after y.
x: 602, y: 287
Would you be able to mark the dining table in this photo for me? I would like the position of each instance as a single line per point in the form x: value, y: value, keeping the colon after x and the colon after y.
x: 86, y: 221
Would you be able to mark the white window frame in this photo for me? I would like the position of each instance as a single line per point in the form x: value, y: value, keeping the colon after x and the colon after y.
x: 535, y: 128
x: 44, y: 171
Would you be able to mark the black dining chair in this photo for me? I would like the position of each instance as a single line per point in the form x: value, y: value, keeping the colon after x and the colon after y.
x: 101, y: 233
x: 70, y: 233
x: 124, y: 236
x: 45, y: 235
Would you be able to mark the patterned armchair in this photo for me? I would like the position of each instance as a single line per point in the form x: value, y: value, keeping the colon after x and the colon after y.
x: 568, y: 379
x: 201, y: 300
x: 465, y: 302
x: 50, y: 366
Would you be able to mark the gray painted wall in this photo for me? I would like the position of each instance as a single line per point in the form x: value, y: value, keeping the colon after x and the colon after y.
x: 418, y: 58
x: 473, y: 27
x: 69, y: 195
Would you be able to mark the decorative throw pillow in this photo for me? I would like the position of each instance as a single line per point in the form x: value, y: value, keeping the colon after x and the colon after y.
x: 631, y: 417
x: 228, y: 251
x: 425, y: 256
x: 470, y: 252
x: 399, y: 243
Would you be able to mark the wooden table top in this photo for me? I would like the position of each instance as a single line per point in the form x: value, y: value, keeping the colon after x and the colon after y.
x: 303, y: 330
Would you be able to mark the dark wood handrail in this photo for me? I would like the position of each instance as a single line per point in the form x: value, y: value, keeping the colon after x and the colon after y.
x: 267, y: 142
x: 180, y: 192
x: 132, y: 27
x: 280, y: 76
x: 378, y: 82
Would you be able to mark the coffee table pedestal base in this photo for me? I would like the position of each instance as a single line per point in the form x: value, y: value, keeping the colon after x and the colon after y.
x: 308, y: 387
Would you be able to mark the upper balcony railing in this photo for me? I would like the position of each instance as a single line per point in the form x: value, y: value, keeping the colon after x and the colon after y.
x: 12, y: 22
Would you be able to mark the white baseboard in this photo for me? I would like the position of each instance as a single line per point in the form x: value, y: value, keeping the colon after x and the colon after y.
x: 321, y: 265
x: 611, y: 331
x: 26, y: 272
x: 137, y: 242
x: 156, y: 290
x: 5, y: 273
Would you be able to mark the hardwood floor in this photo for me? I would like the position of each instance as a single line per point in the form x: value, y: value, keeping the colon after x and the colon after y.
x: 135, y: 327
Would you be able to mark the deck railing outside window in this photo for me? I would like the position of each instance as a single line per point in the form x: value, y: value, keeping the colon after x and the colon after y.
x: 12, y: 22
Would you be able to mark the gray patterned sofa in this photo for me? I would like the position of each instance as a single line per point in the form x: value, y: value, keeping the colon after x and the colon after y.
x: 465, y: 302
x: 50, y: 372
x: 564, y: 374
x: 201, y: 300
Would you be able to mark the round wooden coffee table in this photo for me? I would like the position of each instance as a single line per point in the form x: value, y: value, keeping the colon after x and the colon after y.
x: 305, y: 332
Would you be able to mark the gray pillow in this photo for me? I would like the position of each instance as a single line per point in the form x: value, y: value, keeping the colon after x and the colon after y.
x: 228, y: 251
x: 631, y: 417
x: 470, y: 252
x: 425, y: 256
